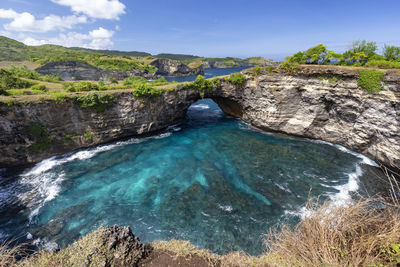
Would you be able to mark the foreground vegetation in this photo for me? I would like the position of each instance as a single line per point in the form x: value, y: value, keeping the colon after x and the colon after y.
x: 366, y: 233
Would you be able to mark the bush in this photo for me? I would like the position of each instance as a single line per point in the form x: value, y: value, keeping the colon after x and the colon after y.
x: 146, y: 91
x: 236, y: 78
x: 383, y: 64
x: 203, y: 85
x: 8, y: 81
x: 112, y: 80
x: 81, y: 86
x: 289, y: 67
x: 94, y: 101
x: 133, y: 80
x: 89, y: 136
x: 370, y: 80
x: 40, y: 87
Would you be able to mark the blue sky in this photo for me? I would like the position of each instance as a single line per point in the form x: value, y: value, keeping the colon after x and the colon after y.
x: 220, y: 28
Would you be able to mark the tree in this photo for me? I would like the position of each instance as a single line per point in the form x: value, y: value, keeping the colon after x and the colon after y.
x: 391, y: 52
x: 360, y: 52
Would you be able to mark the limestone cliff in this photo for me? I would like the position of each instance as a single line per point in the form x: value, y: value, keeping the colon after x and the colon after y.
x: 170, y: 67
x: 322, y: 103
x: 59, y: 127
x: 314, y: 102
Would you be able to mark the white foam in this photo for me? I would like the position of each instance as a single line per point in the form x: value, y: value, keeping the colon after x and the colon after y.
x: 200, y: 106
x: 365, y: 160
x: 225, y: 208
x: 344, y: 197
x: 45, y: 185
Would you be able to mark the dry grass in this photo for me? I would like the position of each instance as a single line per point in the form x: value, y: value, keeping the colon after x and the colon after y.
x: 29, y: 64
x: 10, y: 253
x: 366, y: 233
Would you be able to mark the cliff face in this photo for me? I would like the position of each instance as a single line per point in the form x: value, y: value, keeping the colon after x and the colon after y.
x: 35, y: 131
x: 75, y: 70
x: 170, y: 67
x: 325, y: 104
x: 305, y: 103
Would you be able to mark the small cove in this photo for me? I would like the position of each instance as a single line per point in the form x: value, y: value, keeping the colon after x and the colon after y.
x: 211, y: 179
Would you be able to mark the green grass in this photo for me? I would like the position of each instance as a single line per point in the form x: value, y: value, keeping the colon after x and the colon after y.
x: 370, y: 80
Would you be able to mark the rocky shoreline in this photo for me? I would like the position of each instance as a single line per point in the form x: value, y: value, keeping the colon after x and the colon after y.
x: 303, y: 103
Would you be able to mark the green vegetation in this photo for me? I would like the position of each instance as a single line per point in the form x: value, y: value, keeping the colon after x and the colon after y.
x: 39, y: 87
x: 360, y: 53
x: 9, y: 81
x: 119, y: 65
x: 11, y: 50
x: 203, y: 85
x: 383, y: 64
x: 146, y: 91
x: 289, y: 67
x: 24, y: 72
x: 42, y: 139
x: 81, y: 86
x: 89, y: 136
x: 370, y: 80
x: 236, y: 78
x: 334, y: 80
x: 95, y: 101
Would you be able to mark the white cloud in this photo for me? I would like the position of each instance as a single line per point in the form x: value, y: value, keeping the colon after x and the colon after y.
x: 101, y: 33
x: 26, y: 22
x: 99, y: 9
x: 96, y: 39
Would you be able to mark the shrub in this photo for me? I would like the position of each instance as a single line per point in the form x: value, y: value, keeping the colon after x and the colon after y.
x: 203, y: 85
x: 383, y: 64
x: 391, y: 52
x: 289, y: 67
x: 112, y: 80
x: 40, y: 87
x: 3, y: 91
x: 160, y: 81
x: 146, y: 91
x: 133, y: 80
x: 370, y: 80
x: 8, y: 81
x: 236, y: 78
x: 89, y: 136
x: 94, y: 101
x: 81, y: 86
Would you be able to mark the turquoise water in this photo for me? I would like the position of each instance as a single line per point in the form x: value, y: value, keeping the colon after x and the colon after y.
x: 208, y: 73
x: 211, y: 180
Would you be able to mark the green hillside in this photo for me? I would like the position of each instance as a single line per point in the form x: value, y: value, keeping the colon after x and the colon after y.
x: 12, y: 50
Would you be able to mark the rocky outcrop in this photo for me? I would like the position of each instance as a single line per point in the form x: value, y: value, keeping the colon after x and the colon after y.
x: 107, y: 246
x: 234, y: 64
x: 322, y: 103
x: 314, y: 102
x: 77, y: 71
x: 35, y: 131
x: 168, y: 67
